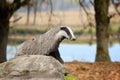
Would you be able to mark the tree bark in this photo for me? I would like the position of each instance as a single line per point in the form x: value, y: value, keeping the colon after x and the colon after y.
x: 4, y: 30
x: 6, y: 11
x: 102, y: 25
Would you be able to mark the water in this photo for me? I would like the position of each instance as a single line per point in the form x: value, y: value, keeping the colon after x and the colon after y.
x: 70, y: 52
x: 79, y: 52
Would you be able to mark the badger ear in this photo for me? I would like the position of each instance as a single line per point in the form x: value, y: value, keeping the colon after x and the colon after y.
x: 62, y: 27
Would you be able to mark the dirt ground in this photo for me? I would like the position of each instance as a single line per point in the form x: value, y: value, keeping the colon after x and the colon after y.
x: 94, y: 71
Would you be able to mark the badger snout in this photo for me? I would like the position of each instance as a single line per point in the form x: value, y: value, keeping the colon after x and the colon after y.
x: 73, y: 39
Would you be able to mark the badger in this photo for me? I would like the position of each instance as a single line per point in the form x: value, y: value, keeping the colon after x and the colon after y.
x: 47, y: 44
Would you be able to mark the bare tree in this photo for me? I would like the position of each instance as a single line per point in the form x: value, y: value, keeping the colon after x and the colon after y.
x: 28, y: 13
x: 6, y: 11
x: 102, y: 18
x: 102, y: 26
x: 51, y: 10
x: 35, y: 11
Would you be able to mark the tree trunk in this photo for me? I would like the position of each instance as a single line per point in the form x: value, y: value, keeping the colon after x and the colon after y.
x: 102, y: 24
x: 6, y: 11
x: 35, y: 12
x: 4, y: 30
x: 28, y: 14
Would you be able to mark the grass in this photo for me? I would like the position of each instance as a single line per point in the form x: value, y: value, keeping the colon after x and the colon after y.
x: 69, y: 78
x: 20, y: 33
x: 115, y: 27
x: 26, y: 31
x: 18, y: 30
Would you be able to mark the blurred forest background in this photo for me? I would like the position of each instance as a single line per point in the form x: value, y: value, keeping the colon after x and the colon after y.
x: 37, y: 16
x: 40, y: 15
x: 92, y: 21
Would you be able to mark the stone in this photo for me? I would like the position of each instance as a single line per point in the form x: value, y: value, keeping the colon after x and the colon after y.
x: 32, y: 67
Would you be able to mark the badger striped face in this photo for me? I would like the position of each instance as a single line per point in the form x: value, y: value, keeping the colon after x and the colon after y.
x: 65, y: 32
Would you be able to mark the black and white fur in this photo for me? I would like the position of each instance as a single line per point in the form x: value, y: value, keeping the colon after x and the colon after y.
x: 48, y: 43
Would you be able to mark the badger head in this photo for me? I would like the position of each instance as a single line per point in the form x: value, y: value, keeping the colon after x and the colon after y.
x: 65, y: 33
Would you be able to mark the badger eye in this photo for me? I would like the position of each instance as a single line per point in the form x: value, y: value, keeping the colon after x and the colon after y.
x: 63, y: 38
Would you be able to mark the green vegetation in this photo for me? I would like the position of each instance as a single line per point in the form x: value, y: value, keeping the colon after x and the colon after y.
x: 77, y: 31
x: 20, y: 34
x: 115, y: 27
x: 69, y: 78
x: 26, y: 31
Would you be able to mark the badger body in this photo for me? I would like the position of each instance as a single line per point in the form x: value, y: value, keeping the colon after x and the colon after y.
x: 46, y: 44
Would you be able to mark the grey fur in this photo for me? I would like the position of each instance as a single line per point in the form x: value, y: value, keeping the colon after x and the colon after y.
x: 45, y: 44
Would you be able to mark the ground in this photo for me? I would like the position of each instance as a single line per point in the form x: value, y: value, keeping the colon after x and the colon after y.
x: 94, y: 71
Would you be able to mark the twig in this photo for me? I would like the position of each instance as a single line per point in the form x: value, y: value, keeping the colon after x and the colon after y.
x: 116, y: 6
x: 87, y: 14
x: 16, y: 20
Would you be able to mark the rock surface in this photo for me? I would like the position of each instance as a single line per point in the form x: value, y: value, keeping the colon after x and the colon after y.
x: 32, y: 67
